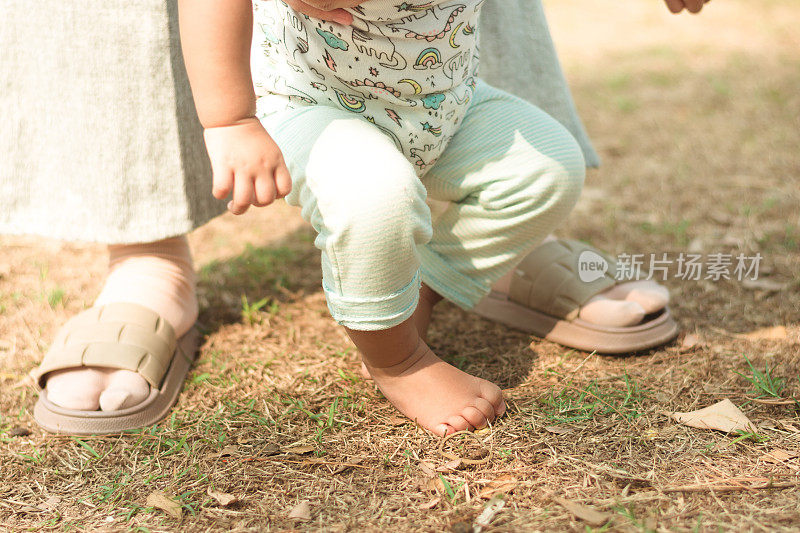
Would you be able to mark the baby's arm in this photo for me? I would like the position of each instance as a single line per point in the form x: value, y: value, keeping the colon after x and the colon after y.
x: 215, y: 36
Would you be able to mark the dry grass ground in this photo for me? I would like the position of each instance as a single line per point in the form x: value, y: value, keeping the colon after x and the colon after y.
x: 697, y: 121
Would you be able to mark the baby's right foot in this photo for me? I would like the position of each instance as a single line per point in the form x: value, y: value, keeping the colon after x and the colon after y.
x: 438, y: 396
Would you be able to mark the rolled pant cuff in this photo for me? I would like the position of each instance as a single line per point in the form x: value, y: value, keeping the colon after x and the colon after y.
x: 449, y: 283
x: 374, y: 314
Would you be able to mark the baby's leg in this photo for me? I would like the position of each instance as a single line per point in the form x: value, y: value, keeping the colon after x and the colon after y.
x: 158, y: 275
x: 368, y: 206
x: 511, y: 174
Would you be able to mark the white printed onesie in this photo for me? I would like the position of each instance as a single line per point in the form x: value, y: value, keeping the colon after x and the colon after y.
x: 408, y: 68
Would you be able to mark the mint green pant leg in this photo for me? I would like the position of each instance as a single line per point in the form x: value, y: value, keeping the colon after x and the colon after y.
x: 511, y: 174
x: 367, y: 204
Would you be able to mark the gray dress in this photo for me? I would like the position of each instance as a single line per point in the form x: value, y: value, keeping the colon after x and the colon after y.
x: 99, y: 140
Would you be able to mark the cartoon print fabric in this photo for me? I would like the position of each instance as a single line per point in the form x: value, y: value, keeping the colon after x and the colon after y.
x: 407, y: 67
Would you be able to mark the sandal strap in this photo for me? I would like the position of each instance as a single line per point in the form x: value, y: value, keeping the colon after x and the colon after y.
x: 119, y: 335
x: 548, y: 280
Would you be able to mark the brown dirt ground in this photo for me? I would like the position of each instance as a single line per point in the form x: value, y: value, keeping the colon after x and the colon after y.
x: 696, y: 119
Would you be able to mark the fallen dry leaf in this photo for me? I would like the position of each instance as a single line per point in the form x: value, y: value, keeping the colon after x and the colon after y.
x: 427, y: 469
x: 722, y: 416
x: 398, y: 421
x: 503, y: 484
x: 450, y: 465
x: 778, y: 456
x: 488, y: 514
x: 435, y: 485
x: 430, y: 505
x: 160, y: 500
x: 301, y: 511
x: 299, y: 450
x: 764, y: 285
x: 591, y: 516
x: 50, y: 503
x: 223, y: 498
x: 228, y: 450
x: 19, y: 431
x: 774, y: 333
x: 690, y: 341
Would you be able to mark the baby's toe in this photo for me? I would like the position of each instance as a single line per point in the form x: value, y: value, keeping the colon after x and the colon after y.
x: 494, y: 396
x: 475, y: 417
x: 442, y: 430
x: 486, y: 408
x: 459, y: 423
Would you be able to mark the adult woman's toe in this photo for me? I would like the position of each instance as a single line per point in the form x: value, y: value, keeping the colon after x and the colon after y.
x: 124, y: 389
x: 604, y: 311
x: 77, y: 389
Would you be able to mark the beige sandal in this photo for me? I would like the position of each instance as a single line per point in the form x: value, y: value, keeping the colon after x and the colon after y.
x: 124, y: 336
x: 546, y: 295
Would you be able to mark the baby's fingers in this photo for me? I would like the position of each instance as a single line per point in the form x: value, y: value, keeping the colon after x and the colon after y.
x: 242, y: 194
x: 675, y: 6
x: 283, y: 181
x: 222, y: 182
x: 265, y: 190
x: 694, y: 6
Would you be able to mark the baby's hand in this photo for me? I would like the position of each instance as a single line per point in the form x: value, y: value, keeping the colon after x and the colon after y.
x: 326, y: 9
x: 694, y: 6
x: 245, y: 159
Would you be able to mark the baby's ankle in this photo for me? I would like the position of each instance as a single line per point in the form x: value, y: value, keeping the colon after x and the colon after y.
x: 389, y: 347
x: 397, y: 368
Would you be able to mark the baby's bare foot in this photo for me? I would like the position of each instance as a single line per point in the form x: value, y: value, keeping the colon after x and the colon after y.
x: 438, y: 396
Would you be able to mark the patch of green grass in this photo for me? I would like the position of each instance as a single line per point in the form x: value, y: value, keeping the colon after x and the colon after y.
x: 453, y: 493
x: 55, y: 297
x: 251, y: 313
x: 627, y: 104
x: 574, y: 404
x: 661, y: 78
x: 86, y: 446
x: 254, y: 268
x: 619, y: 81
x: 765, y: 384
x: 628, y: 513
x: 247, y: 411
x: 679, y: 231
x: 751, y: 436
x: 791, y: 237
x: 112, y: 492
x: 349, y: 376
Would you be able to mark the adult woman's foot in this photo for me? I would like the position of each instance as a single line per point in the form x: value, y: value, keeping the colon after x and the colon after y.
x: 158, y: 276
x: 549, y: 296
